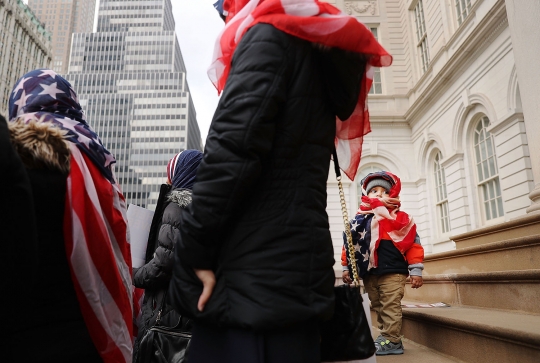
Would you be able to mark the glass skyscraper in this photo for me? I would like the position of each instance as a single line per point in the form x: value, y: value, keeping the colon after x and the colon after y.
x: 131, y: 81
x: 62, y: 18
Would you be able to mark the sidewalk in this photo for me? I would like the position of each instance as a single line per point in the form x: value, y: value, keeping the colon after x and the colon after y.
x: 415, y: 353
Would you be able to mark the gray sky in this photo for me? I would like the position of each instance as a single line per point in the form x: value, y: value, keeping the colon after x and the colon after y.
x: 197, y: 26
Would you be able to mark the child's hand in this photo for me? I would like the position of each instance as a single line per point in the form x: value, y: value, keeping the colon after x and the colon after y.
x: 416, y: 282
x: 346, y: 277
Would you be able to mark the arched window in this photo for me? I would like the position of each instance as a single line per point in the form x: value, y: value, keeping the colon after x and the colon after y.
x: 361, y: 175
x: 442, y: 199
x: 487, y: 170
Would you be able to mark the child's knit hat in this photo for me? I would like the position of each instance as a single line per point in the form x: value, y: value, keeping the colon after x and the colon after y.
x: 378, y: 182
x: 381, y: 179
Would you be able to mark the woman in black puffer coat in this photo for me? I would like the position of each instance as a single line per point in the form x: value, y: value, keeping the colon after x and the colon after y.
x: 254, y: 266
x: 258, y: 217
x: 155, y: 275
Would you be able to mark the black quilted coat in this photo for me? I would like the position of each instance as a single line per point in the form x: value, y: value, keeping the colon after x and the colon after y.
x: 154, y: 276
x: 258, y: 215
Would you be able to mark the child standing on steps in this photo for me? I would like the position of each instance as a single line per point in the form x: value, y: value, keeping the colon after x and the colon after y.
x: 387, y: 249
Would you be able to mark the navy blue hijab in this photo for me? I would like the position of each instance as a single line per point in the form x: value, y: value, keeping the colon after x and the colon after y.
x: 182, y: 168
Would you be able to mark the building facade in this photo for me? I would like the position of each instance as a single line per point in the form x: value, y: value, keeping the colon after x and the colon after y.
x: 131, y: 81
x: 447, y: 117
x: 63, y: 18
x: 25, y: 45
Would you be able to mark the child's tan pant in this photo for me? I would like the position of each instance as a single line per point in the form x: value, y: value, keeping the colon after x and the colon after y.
x: 385, y: 293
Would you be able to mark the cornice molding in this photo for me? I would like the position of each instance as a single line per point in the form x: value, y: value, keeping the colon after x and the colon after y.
x: 489, y: 27
x: 452, y: 159
x: 21, y: 18
x: 505, y: 121
x: 389, y: 119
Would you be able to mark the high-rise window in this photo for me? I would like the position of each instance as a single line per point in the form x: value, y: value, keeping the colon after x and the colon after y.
x: 463, y: 7
x: 376, y: 87
x: 487, y: 170
x: 442, y: 198
x: 421, y: 35
x: 132, y: 81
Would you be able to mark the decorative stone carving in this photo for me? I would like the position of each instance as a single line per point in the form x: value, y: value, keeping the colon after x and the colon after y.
x: 361, y: 7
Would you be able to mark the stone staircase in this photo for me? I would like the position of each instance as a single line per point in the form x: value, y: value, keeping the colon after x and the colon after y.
x: 492, y: 284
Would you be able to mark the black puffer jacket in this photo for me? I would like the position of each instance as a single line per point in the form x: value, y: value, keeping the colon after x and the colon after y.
x: 155, y: 275
x: 54, y: 314
x: 258, y: 215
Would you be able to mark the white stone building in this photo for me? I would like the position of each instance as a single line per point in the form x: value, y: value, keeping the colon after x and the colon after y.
x: 447, y: 117
x: 25, y: 45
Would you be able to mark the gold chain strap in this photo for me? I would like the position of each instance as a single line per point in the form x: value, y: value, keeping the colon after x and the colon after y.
x: 356, y: 279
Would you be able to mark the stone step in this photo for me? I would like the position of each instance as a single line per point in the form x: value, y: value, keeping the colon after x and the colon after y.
x: 475, y: 335
x: 520, y: 253
x: 414, y: 353
x: 506, y: 290
x: 528, y: 225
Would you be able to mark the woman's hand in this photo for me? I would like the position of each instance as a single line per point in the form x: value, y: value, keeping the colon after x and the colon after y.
x: 346, y: 277
x: 208, y: 278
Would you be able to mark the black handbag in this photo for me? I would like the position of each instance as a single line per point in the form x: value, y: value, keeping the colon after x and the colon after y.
x: 163, y: 344
x: 347, y: 335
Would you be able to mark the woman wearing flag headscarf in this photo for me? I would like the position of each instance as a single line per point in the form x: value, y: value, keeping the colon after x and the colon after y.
x: 81, y: 296
x: 155, y: 275
x: 254, y: 265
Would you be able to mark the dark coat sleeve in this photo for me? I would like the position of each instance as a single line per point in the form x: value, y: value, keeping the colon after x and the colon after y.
x: 240, y: 138
x: 157, y: 272
x: 343, y: 79
x: 19, y: 230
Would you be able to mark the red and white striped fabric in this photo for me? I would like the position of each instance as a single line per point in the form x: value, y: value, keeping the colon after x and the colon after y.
x: 171, y: 166
x: 317, y: 22
x: 388, y: 221
x: 138, y: 298
x: 95, y: 232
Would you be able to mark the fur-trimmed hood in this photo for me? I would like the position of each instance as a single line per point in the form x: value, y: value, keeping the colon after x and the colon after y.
x: 182, y: 197
x: 40, y: 145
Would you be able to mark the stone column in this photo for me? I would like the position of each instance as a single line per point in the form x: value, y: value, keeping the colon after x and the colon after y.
x: 523, y: 18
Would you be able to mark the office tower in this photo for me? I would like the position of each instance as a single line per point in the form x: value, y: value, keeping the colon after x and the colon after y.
x: 131, y: 80
x: 63, y: 18
x: 24, y: 45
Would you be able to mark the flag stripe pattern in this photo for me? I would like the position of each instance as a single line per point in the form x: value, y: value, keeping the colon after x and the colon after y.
x: 377, y: 219
x: 388, y: 221
x: 96, y: 244
x: 399, y: 226
x: 317, y: 22
x: 95, y: 224
x: 171, y: 166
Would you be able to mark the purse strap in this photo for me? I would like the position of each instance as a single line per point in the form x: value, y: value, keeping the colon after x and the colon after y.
x: 350, y: 247
x: 158, y: 318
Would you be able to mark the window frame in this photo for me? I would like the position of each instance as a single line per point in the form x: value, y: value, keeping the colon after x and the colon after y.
x: 441, y: 193
x: 487, y: 184
x: 421, y: 35
x: 376, y: 70
x: 463, y: 9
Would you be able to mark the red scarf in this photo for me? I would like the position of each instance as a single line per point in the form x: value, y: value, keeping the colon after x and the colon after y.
x: 388, y: 222
x: 317, y: 22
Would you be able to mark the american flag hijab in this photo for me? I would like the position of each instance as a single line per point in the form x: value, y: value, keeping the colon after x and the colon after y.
x: 317, y: 22
x: 182, y: 168
x: 95, y: 227
x: 44, y: 95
